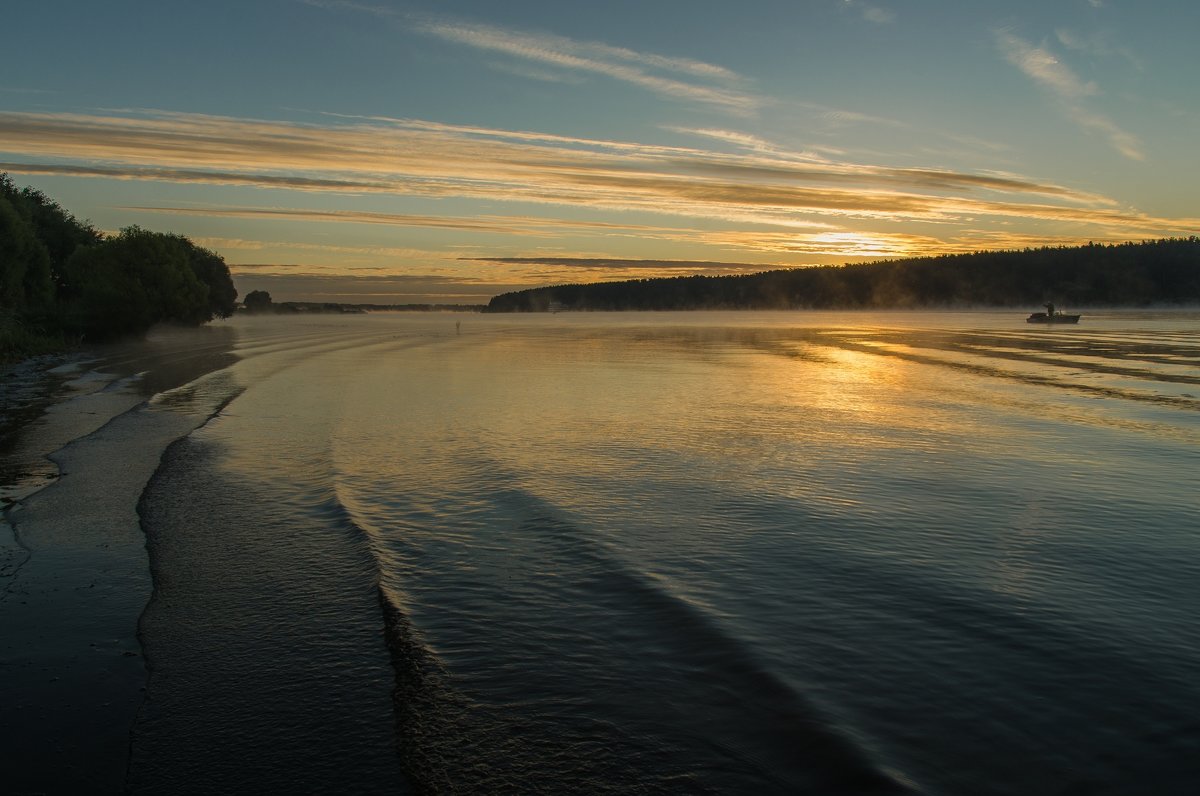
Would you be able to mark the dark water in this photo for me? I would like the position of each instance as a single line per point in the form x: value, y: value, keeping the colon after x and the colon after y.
x: 73, y: 571
x: 726, y: 553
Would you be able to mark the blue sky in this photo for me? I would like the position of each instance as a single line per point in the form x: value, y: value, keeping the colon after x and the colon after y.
x: 396, y: 152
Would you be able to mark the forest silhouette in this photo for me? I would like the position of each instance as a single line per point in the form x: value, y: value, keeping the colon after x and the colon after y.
x: 1163, y: 271
x: 62, y: 281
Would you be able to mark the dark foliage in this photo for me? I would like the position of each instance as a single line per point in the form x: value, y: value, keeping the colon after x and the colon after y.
x: 210, y: 268
x: 258, y: 301
x: 126, y: 284
x: 1128, y: 274
x: 60, y: 278
x: 24, y: 263
x: 59, y: 231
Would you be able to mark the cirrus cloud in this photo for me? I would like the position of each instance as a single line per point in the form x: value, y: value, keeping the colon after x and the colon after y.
x: 762, y: 193
x: 1051, y: 74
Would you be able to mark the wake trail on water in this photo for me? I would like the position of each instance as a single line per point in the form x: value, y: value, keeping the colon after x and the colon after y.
x: 611, y: 563
x: 604, y: 681
x: 267, y: 670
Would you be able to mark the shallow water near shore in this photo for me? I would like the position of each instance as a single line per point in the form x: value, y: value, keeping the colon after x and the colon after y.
x: 73, y: 570
x: 938, y: 553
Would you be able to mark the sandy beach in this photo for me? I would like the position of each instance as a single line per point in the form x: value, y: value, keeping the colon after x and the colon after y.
x: 83, y: 440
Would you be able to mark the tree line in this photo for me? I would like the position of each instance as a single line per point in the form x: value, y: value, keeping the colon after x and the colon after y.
x: 1163, y: 271
x: 62, y: 280
x: 259, y: 301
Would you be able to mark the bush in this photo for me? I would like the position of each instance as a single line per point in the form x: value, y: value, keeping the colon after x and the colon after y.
x: 24, y: 263
x: 126, y: 284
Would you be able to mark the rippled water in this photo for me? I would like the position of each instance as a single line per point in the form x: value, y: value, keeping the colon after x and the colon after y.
x: 664, y: 553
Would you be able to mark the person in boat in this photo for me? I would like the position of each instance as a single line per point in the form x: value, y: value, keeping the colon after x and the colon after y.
x: 1049, y: 310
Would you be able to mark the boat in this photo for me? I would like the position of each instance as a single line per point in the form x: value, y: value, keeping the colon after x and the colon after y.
x: 1050, y: 316
x: 1058, y: 317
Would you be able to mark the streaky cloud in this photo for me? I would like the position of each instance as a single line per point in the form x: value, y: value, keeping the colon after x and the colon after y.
x: 350, y: 217
x: 675, y: 77
x: 692, y: 266
x: 513, y: 225
x: 301, y: 285
x: 1043, y: 67
x: 427, y: 159
x: 539, y: 46
x: 198, y: 176
x: 1125, y: 143
x: 1048, y: 72
x: 842, y: 117
x: 597, y: 58
x: 749, y: 142
x: 373, y: 252
x: 512, y: 135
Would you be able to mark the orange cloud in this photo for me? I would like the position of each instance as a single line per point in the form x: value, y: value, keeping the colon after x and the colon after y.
x: 769, y: 196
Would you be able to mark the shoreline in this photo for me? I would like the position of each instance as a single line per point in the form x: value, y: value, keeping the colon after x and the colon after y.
x: 26, y: 391
x: 84, y: 438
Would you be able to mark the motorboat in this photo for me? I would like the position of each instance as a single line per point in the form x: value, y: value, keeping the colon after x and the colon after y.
x: 1052, y: 316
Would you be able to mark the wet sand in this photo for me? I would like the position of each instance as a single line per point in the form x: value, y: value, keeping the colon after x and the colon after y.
x: 74, y: 575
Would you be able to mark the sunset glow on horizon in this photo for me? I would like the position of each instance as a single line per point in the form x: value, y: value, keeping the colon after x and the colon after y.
x: 399, y: 152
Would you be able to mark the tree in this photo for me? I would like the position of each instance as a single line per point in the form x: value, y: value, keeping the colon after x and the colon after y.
x: 24, y: 264
x: 61, y: 278
x: 258, y: 301
x: 59, y: 232
x: 210, y: 268
x: 126, y: 284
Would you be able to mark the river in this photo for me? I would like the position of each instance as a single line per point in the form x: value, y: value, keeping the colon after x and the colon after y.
x: 944, y: 553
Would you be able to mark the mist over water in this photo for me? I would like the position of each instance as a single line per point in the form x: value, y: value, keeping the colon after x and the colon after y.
x: 941, y: 553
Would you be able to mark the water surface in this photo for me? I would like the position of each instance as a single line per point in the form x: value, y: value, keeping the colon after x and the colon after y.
x: 939, y: 553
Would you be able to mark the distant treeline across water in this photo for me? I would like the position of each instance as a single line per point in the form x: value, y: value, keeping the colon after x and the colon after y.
x: 1126, y: 274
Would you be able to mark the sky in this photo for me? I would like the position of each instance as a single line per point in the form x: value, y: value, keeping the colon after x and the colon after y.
x: 390, y: 152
